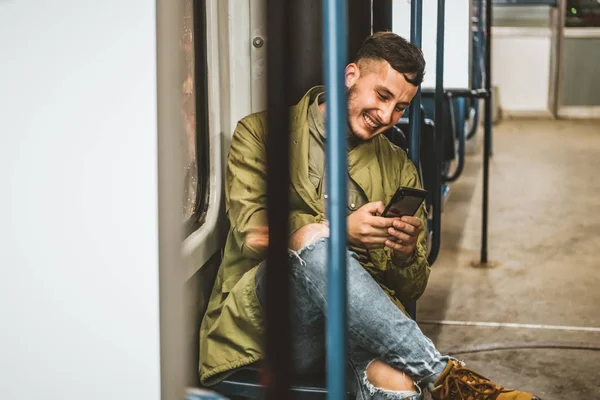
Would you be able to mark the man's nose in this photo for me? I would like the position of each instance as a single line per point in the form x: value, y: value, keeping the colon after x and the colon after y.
x: 385, y: 114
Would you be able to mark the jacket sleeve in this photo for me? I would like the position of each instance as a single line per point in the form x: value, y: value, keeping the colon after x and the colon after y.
x: 245, y: 188
x: 300, y: 219
x: 409, y: 281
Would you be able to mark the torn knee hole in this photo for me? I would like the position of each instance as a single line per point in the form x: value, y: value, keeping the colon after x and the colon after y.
x: 383, y: 376
x: 389, y: 383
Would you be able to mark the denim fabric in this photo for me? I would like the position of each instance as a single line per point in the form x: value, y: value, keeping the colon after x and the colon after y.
x: 377, y: 329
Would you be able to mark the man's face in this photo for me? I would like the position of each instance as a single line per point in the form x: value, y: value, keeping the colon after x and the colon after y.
x: 378, y: 95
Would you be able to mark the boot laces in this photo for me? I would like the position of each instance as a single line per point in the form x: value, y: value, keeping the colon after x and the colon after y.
x: 464, y: 384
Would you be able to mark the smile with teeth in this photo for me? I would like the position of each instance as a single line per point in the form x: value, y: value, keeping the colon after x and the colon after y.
x: 370, y: 122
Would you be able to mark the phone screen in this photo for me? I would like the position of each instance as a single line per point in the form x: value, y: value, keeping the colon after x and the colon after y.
x: 404, y: 203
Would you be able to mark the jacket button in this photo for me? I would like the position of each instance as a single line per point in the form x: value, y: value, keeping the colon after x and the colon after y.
x: 352, y: 206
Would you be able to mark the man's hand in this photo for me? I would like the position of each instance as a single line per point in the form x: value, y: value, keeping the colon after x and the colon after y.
x: 258, y: 237
x: 367, y: 230
x: 405, y: 232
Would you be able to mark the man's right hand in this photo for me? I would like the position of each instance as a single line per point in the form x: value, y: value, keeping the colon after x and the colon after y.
x: 258, y: 237
x: 367, y: 230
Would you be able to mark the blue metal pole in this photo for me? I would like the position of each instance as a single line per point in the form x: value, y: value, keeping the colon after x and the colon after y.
x: 414, y: 113
x: 335, y: 56
x: 487, y: 138
x: 477, y: 67
x: 416, y: 30
x: 439, y: 134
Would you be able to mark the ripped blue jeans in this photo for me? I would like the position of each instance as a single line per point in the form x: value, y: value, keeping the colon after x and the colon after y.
x: 377, y: 329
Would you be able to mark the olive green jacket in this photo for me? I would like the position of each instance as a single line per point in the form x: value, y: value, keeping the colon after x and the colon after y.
x: 232, y: 331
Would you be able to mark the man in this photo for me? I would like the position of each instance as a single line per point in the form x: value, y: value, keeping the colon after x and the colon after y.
x: 387, y: 257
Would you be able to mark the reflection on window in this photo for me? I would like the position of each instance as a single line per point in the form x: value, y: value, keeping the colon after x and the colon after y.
x: 583, y: 13
x: 190, y: 197
x: 194, y: 112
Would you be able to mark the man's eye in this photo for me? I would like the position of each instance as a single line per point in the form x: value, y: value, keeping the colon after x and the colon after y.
x: 382, y: 97
x: 400, y: 109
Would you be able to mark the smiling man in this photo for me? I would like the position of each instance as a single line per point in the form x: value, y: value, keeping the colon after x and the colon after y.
x: 387, y: 257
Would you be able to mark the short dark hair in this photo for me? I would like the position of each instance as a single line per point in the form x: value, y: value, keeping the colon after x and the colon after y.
x: 402, y: 55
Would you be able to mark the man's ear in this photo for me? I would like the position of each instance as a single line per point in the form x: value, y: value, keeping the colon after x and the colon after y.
x: 352, y: 74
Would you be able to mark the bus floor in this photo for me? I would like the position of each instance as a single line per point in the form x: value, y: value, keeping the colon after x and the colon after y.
x: 544, y: 240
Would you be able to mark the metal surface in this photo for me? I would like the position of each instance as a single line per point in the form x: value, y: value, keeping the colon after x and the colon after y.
x: 581, y: 82
x: 245, y: 383
x: 258, y: 42
x: 555, y: 42
x: 416, y: 37
x: 334, y: 57
x: 461, y: 141
x: 203, y: 243
x: 519, y: 31
x: 169, y: 72
x: 487, y: 142
x: 551, y: 3
x: 277, y: 307
x: 476, y: 68
x: 414, y: 113
x: 582, y: 32
x: 195, y: 109
x: 258, y: 55
x: 439, y: 135
x: 558, y: 65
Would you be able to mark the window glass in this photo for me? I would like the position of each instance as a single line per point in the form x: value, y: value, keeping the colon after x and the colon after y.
x: 190, y: 197
x: 583, y: 13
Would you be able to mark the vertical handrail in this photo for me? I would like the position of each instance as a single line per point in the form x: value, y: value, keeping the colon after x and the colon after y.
x: 334, y: 58
x: 439, y: 136
x: 461, y: 140
x: 487, y: 141
x: 560, y: 21
x: 414, y: 113
x: 277, y: 307
x: 476, y: 67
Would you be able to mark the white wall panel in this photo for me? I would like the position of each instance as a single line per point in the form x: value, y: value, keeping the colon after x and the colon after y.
x: 78, y: 210
x: 457, y: 39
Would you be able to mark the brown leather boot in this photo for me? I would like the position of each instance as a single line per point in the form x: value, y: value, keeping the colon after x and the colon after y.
x: 460, y: 383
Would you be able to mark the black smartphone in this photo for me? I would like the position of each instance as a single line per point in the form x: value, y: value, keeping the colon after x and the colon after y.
x: 406, y: 201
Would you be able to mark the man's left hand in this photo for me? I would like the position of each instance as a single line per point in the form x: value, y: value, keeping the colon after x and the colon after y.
x: 406, y: 231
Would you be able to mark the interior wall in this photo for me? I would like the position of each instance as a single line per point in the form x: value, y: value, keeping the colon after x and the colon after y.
x: 79, y: 224
x: 521, y: 70
x: 456, y: 41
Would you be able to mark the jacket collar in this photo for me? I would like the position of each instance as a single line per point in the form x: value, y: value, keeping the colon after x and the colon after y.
x: 361, y: 157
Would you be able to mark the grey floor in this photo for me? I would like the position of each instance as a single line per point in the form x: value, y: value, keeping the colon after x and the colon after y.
x: 544, y: 245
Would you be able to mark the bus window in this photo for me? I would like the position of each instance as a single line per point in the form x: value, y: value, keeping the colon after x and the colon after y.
x: 583, y: 13
x: 194, y: 114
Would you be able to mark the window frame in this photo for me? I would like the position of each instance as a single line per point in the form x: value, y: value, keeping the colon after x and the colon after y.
x: 229, y: 99
x: 198, y: 217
